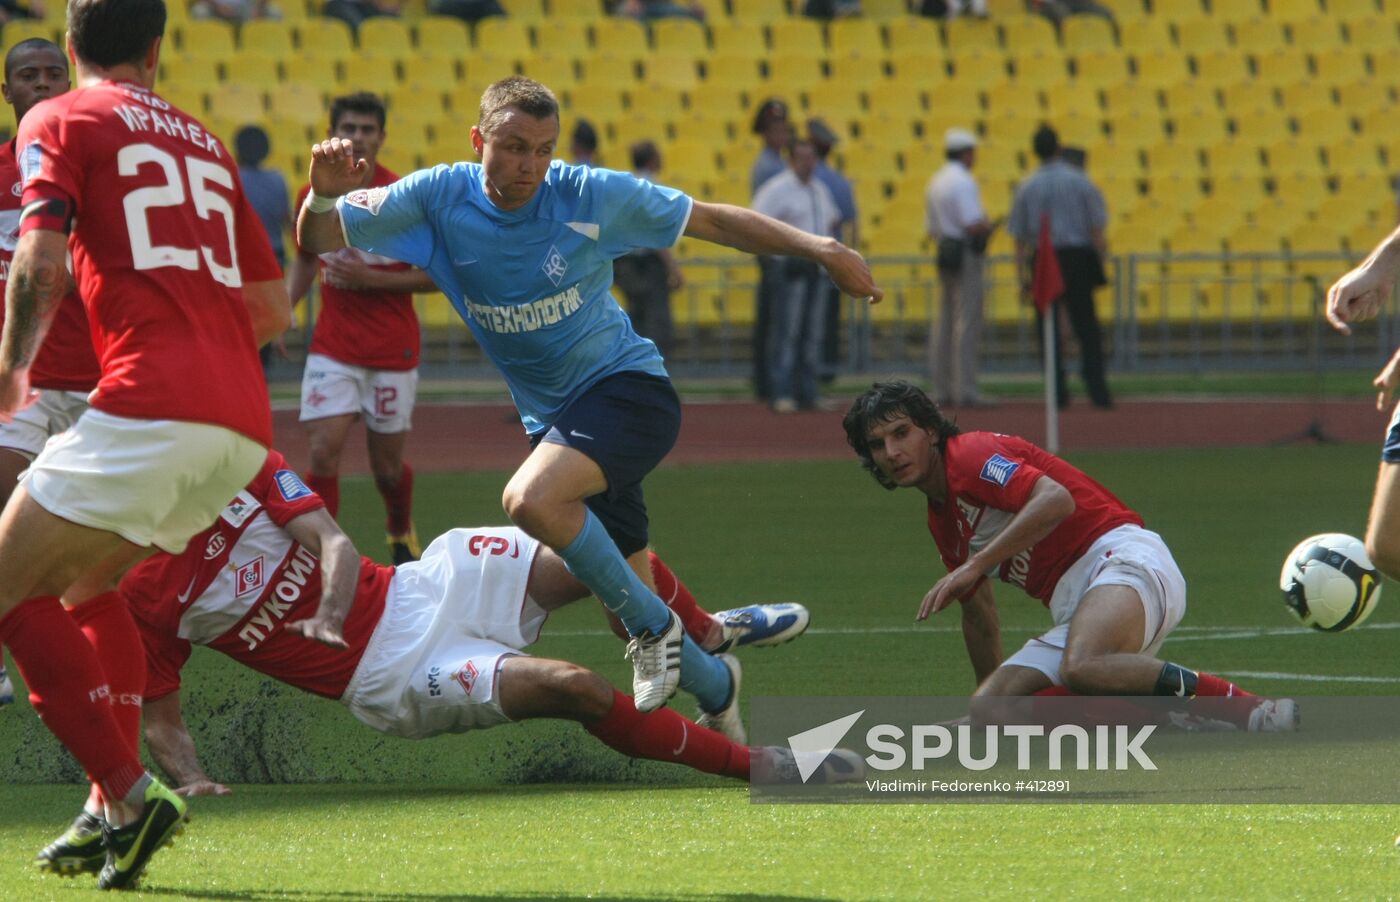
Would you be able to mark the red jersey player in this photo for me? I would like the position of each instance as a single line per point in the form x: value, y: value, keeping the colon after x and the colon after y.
x: 1000, y: 506
x: 180, y: 286
x: 364, y: 353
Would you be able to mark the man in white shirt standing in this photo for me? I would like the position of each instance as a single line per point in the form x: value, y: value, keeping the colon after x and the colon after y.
x: 794, y: 340
x: 958, y: 224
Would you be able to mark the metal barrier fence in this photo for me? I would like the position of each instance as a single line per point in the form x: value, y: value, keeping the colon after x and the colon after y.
x: 1160, y: 313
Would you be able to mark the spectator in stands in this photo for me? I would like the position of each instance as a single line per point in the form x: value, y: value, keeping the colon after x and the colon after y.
x: 1059, y: 10
x: 1074, y: 210
x: 266, y: 188
x: 234, y: 10
x: 647, y: 10
x: 799, y: 199
x: 353, y: 12
x: 583, y: 144
x: 951, y: 9
x: 647, y: 277
x: 9, y: 9
x: 846, y: 231
x: 831, y: 9
x: 956, y: 220
x: 469, y: 11
x: 771, y: 123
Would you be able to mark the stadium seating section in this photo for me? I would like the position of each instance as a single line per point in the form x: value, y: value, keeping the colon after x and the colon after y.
x: 1244, y: 126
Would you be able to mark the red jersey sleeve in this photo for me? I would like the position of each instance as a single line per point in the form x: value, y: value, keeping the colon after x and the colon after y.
x: 255, y: 256
x: 282, y: 492
x: 988, y: 470
x: 48, y: 175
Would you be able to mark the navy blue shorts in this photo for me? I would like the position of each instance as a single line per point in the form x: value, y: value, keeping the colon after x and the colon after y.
x: 1390, y: 451
x: 625, y: 424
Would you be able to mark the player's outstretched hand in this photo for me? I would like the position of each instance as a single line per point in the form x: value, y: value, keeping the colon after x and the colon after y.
x: 334, y: 169
x: 1387, y: 381
x: 947, y: 590
x: 1358, y: 295
x: 851, y: 274
x: 203, y: 788
x: 319, y: 629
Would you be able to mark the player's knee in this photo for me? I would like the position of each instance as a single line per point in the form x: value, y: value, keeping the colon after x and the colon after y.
x: 1384, y: 552
x: 1080, y: 674
x: 582, y: 691
x: 525, y: 508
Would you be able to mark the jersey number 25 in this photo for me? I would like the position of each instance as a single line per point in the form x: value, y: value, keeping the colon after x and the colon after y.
x: 144, y: 254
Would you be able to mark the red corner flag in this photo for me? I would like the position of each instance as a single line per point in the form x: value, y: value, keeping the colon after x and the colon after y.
x: 1047, y: 282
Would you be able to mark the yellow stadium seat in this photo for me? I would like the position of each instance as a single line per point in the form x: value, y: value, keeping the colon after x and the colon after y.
x: 872, y: 160
x: 1245, y: 96
x: 442, y: 34
x: 297, y: 103
x: 797, y: 37
x: 856, y: 70
x: 915, y: 34
x: 967, y: 34
x: 1133, y: 237
x: 325, y: 38
x: 1130, y: 96
x: 239, y: 102
x: 695, y: 158
x: 188, y: 97
x: 1172, y: 157
x: 1124, y: 10
x: 1305, y: 97
x: 1073, y: 99
x: 836, y: 101
x: 1382, y: 125
x: 1188, y: 239
x: 1280, y: 67
x: 1261, y: 35
x: 1045, y: 70
x: 978, y: 67
x: 1008, y: 130
x: 894, y: 131
x: 1101, y: 68
x: 385, y: 36
x: 1221, y: 67
x: 1219, y: 214
x: 412, y: 105
x: 1000, y: 159
x: 1162, y: 68
x: 561, y: 37
x: 639, y: 126
x: 523, y: 10
x: 897, y: 98
x: 733, y: 71
x: 697, y: 127
x: 1339, y: 65
x: 1028, y: 33
x: 1293, y: 156
x: 253, y: 69
x: 503, y: 37
x: 680, y: 37
x: 367, y: 73
x: 430, y: 69
x: 1324, y: 126
x: 1234, y: 158
x: 1351, y: 154
x: 201, y: 37
x: 1200, y: 127
x: 1368, y: 193
x: 603, y: 103
x: 1174, y: 11
x: 1121, y: 192
x: 1202, y: 36
x: 620, y: 36
x: 1261, y: 127
x: 855, y: 35
x: 671, y: 72
x: 266, y: 37
x: 718, y: 100
x: 1370, y: 34
x: 1360, y: 98
x: 1113, y: 160
x: 741, y: 38
x: 1233, y: 11
x: 885, y: 9
x: 1140, y: 129
x: 1013, y: 98
x: 201, y: 72
x: 1245, y: 190
x: 1294, y: 10
x: 764, y: 11
x: 574, y: 9
x: 1145, y: 35
x: 918, y: 68
x: 320, y: 73
x: 1302, y: 191
x: 793, y: 75
x: 557, y: 71
x: 1351, y: 9
x: 1082, y: 34
x: 605, y: 69
x: 1189, y: 95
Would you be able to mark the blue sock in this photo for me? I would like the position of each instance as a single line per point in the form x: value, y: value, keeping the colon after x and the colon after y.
x: 705, y: 677
x: 594, y: 559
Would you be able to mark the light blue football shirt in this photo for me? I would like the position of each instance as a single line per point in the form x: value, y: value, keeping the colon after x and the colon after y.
x: 533, y: 284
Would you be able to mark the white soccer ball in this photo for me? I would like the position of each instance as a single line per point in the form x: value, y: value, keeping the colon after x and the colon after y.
x: 1329, y: 583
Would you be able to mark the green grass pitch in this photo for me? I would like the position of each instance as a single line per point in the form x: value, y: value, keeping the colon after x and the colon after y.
x: 542, y: 811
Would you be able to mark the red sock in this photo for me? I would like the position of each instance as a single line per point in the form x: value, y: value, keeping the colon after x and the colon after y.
x: 110, y: 629
x: 328, y: 487
x: 69, y: 691
x: 663, y: 735
x: 697, y: 621
x: 1098, y: 709
x: 1211, y: 685
x: 398, y: 502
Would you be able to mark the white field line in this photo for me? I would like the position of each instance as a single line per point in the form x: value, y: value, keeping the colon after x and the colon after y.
x: 1180, y: 634
x: 1307, y: 677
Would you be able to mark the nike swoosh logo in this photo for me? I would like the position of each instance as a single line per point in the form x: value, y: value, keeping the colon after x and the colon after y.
x: 516, y: 553
x: 1181, y: 690
x: 576, y: 434
x: 184, y: 596
x: 685, y: 737
x: 124, y: 863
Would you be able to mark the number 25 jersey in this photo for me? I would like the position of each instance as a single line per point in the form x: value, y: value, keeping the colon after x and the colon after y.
x: 163, y: 241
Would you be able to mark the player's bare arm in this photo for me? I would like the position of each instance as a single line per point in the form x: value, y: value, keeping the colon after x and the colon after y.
x: 334, y: 171
x: 300, y: 275
x: 1360, y: 294
x: 356, y: 275
x: 754, y: 233
x: 38, y: 281
x: 1048, y: 504
x: 269, y: 309
x: 1386, y: 382
x: 318, y: 532
x: 173, y: 748
x: 981, y: 629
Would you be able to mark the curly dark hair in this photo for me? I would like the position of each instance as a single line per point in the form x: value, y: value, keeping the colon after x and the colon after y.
x: 881, y: 403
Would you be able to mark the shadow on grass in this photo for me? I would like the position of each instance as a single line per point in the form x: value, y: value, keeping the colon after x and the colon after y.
x: 258, y: 895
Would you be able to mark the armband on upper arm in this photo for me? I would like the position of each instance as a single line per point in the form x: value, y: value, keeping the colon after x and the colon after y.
x: 53, y: 214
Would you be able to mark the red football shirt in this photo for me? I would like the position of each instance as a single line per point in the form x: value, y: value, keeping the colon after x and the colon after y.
x: 990, y: 476
x: 66, y: 360
x: 239, y: 583
x: 162, y: 244
x: 373, y: 329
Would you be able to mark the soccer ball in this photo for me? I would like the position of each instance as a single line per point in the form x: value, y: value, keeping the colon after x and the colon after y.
x: 1329, y: 583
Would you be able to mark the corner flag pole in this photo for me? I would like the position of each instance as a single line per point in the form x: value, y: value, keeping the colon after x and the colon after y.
x: 1047, y: 286
x: 1052, y: 409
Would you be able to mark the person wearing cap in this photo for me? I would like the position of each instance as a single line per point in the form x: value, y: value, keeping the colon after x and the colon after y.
x: 845, y: 231
x: 771, y: 123
x: 1074, y: 207
x: 957, y: 223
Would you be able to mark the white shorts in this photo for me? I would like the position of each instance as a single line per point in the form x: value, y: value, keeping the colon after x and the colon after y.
x: 53, y: 412
x: 152, y: 482
x: 385, y: 398
x: 449, y: 621
x: 1127, y: 556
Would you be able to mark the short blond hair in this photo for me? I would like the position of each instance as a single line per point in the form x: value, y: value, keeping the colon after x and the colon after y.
x: 525, y: 94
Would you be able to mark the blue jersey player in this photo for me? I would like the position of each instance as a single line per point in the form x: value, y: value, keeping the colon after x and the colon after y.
x: 523, y: 246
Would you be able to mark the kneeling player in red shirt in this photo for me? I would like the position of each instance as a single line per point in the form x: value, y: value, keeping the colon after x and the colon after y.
x: 1000, y: 506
